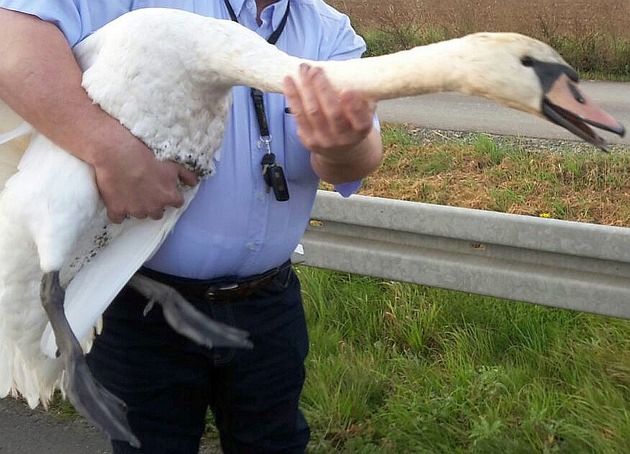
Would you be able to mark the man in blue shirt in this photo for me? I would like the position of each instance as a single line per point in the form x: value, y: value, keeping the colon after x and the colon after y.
x: 234, y: 232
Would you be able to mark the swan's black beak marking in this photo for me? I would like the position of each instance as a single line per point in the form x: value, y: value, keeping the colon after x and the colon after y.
x: 566, y: 105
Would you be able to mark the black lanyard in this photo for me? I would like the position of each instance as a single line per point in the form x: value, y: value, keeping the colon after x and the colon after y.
x: 275, y: 34
x: 272, y: 172
x: 257, y: 95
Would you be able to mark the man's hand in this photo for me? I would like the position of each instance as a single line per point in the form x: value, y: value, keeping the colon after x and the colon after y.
x: 335, y: 126
x: 133, y: 183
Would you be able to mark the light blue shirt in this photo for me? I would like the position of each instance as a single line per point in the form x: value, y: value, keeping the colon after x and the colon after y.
x: 234, y: 227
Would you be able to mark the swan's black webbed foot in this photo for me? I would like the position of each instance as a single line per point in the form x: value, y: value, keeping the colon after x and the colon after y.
x: 100, y: 407
x: 185, y: 319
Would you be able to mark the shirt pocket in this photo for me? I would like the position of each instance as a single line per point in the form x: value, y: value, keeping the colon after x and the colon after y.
x: 297, y: 159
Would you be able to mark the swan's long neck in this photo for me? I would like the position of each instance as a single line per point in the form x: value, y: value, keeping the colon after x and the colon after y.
x: 427, y: 69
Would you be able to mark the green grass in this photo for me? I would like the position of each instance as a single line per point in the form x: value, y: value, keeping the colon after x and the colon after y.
x: 402, y: 368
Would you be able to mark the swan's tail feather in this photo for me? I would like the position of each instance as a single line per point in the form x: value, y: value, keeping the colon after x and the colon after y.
x: 38, y: 387
x: 24, y: 370
x: 6, y: 380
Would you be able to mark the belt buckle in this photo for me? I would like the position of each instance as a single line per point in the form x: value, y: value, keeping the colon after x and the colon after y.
x: 214, y: 291
x: 242, y: 289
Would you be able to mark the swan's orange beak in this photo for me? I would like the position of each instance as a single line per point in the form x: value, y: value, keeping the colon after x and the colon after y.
x: 566, y: 105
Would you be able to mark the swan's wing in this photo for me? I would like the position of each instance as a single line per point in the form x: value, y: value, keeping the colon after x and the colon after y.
x: 23, y: 369
x: 101, y: 278
x: 14, y: 139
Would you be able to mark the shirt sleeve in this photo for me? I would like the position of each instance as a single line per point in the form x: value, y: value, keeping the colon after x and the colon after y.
x: 65, y: 14
x: 347, y: 44
x: 75, y: 18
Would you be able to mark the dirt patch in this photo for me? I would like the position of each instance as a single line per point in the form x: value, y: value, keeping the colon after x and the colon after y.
x: 538, y: 18
x: 537, y: 177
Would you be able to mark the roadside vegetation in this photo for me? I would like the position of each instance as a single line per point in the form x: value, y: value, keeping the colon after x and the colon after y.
x: 549, y: 178
x: 401, y: 368
x: 593, y: 36
x: 398, y: 368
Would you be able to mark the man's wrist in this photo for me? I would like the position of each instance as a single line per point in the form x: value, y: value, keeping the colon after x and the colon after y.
x: 352, y: 164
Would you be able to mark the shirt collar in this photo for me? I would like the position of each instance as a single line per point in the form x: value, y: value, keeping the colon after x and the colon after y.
x: 275, y: 10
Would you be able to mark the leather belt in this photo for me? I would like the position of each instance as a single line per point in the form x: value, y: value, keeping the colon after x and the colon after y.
x: 223, y: 289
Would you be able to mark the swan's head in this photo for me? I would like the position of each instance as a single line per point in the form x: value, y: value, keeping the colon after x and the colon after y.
x: 529, y: 75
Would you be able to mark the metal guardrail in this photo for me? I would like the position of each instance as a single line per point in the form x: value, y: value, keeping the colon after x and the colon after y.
x: 571, y: 265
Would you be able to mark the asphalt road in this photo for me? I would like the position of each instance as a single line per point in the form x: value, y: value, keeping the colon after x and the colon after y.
x: 25, y: 431
x: 453, y: 111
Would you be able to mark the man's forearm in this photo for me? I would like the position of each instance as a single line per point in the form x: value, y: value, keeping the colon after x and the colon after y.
x: 352, y: 165
x: 41, y: 81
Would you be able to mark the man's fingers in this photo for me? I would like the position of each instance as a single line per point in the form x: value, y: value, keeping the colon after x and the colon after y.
x: 115, y: 217
x: 188, y: 177
x: 359, y: 111
x: 177, y: 201
x: 294, y: 99
x: 157, y: 215
x: 144, y: 208
x: 293, y: 93
x: 328, y: 120
x: 329, y: 100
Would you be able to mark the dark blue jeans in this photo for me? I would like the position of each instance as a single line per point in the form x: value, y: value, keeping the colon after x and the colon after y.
x: 169, y: 382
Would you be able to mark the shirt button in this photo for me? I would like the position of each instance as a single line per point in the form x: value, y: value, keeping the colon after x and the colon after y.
x: 260, y: 196
x: 251, y: 246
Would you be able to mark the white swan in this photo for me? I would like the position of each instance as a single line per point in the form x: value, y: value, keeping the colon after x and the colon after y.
x: 175, y: 98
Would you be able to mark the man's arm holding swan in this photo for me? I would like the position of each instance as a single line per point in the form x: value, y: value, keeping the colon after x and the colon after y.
x: 336, y: 127
x: 41, y: 81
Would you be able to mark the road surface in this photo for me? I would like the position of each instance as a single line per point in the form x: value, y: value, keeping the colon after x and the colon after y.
x: 453, y: 111
x: 26, y: 431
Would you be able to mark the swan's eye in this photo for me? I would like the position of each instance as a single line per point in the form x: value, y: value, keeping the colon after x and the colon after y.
x: 527, y: 61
